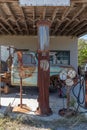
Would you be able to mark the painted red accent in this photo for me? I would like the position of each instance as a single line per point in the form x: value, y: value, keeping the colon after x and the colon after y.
x: 43, y: 23
x: 19, y: 54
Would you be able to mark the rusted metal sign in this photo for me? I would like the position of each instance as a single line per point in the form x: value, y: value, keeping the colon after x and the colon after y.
x: 44, y: 2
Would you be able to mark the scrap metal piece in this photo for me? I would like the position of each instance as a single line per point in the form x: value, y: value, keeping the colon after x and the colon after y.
x: 23, y: 109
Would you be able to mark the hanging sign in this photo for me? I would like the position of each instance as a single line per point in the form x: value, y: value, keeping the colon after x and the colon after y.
x: 44, y: 2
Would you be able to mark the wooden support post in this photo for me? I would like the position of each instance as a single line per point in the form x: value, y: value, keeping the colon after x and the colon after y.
x: 43, y: 69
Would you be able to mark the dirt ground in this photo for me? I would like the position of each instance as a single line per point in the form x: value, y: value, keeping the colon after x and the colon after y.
x: 78, y: 122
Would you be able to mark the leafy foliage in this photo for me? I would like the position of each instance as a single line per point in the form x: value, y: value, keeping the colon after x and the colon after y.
x: 82, y: 51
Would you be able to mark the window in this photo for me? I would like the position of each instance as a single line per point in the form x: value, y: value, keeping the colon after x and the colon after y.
x: 60, y: 57
x: 28, y: 59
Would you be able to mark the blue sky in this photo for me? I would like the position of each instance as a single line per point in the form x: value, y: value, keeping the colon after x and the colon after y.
x: 84, y: 37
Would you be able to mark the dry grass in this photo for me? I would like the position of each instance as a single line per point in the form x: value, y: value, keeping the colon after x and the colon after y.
x: 70, y: 122
x: 10, y: 124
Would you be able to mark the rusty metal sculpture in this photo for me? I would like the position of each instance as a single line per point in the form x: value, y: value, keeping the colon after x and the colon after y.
x: 21, y: 107
x: 68, y: 76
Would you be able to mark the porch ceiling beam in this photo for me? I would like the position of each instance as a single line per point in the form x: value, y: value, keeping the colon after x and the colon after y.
x: 34, y: 15
x: 75, y: 23
x: 68, y: 23
x: 4, y: 6
x: 16, y: 20
x: 80, y: 11
x: 74, y: 17
x: 75, y: 26
x: 26, y: 26
x: 5, y: 28
x: 67, y: 11
x: 54, y: 14
x: 5, y: 20
x: 9, y: 25
x: 78, y: 29
x: 63, y: 18
x: 52, y: 20
x: 81, y: 32
x: 2, y: 12
x: 2, y: 32
x: 58, y: 25
x: 34, y: 20
x: 44, y: 13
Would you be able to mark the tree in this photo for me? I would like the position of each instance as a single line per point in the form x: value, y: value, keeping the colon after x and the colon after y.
x: 82, y: 51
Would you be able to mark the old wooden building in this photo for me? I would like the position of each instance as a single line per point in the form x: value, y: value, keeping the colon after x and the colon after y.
x: 18, y: 26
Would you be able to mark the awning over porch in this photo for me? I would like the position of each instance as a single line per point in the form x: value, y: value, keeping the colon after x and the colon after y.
x: 65, y: 21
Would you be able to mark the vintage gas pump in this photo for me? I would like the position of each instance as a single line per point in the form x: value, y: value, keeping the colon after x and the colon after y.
x: 43, y: 68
